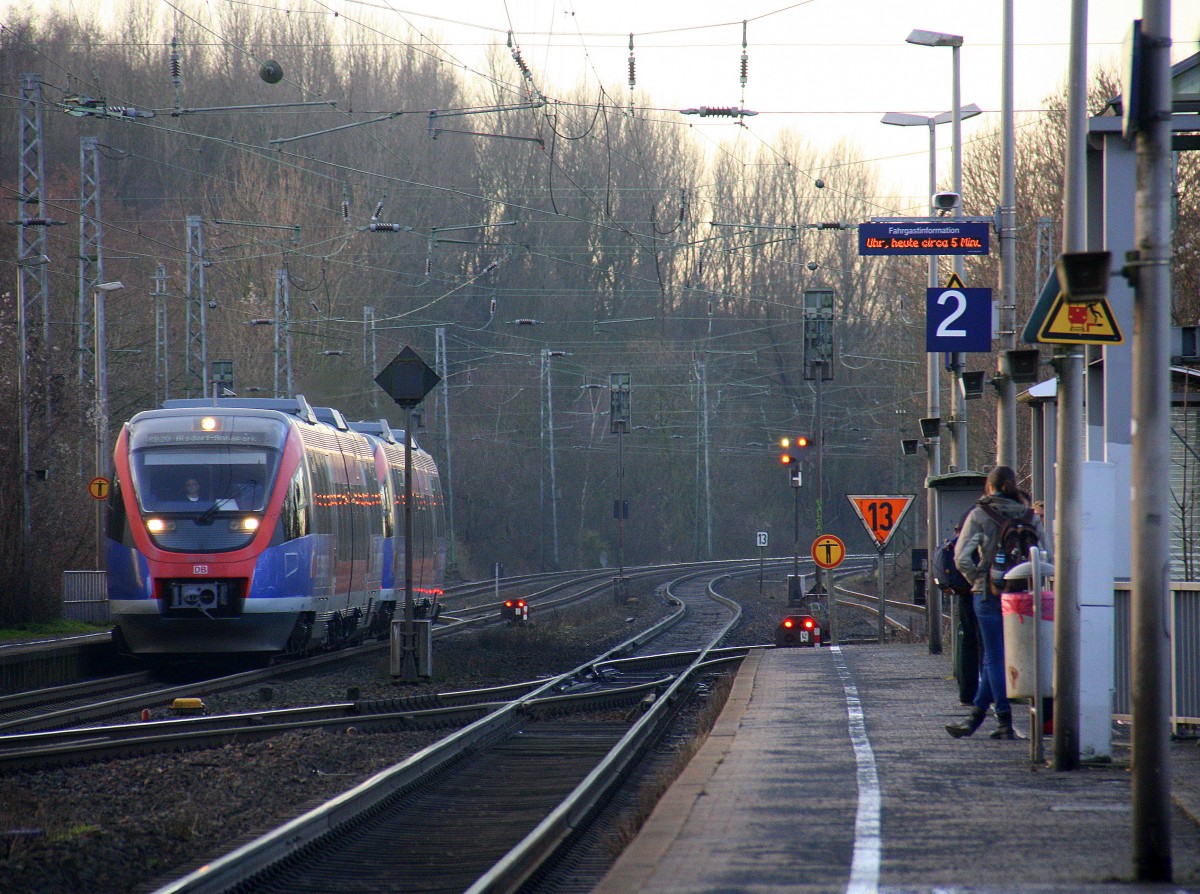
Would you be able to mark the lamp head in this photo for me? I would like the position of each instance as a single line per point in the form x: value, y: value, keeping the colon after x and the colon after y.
x: 1083, y: 275
x: 934, y: 39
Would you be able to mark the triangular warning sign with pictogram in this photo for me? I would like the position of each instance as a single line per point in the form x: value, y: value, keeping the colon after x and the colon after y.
x: 1080, y: 323
x: 880, y: 514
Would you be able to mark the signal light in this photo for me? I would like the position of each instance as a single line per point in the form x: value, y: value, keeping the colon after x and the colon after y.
x: 798, y: 630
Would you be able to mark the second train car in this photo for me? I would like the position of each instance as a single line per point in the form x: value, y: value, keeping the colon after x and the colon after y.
x: 264, y: 526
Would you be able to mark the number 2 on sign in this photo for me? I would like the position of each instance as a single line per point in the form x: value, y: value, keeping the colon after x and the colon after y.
x: 943, y: 329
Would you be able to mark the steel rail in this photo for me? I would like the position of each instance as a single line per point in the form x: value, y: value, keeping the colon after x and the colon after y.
x: 252, y: 858
x: 540, y: 844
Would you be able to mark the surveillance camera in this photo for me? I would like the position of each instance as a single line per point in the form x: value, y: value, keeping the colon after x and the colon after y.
x: 812, y: 265
x: 945, y: 201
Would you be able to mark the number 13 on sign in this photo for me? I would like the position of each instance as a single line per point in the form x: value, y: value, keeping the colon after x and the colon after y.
x: 880, y: 514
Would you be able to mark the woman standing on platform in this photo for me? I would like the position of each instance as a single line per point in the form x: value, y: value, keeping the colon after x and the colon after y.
x: 1001, y: 500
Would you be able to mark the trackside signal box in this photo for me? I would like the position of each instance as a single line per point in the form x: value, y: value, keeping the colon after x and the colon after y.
x: 798, y: 630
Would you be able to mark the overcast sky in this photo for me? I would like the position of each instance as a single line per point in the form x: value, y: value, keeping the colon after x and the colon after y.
x: 828, y: 69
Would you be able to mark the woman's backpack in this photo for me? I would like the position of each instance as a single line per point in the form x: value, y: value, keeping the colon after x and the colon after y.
x: 945, y: 573
x: 1014, y: 539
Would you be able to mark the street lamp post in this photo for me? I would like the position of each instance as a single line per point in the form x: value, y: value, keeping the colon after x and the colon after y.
x: 958, y: 444
x: 101, y: 405
x: 933, y: 392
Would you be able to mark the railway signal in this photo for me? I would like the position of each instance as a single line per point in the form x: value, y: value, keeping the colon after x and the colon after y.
x: 515, y: 611
x: 791, y: 451
x: 798, y: 630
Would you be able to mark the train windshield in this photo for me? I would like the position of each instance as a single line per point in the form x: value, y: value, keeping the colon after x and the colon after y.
x: 180, y: 467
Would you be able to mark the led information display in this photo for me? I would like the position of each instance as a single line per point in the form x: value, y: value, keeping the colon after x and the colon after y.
x: 942, y: 237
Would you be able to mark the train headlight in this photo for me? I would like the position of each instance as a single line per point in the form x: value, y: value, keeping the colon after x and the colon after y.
x: 159, y: 525
x: 249, y: 524
x: 208, y: 423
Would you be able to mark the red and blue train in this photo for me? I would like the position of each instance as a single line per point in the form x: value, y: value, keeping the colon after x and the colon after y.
x: 246, y: 526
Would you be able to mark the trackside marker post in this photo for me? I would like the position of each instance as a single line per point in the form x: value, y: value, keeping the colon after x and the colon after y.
x: 407, y: 379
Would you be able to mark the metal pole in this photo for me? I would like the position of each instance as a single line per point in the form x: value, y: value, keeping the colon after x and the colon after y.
x: 1006, y: 391
x: 279, y: 275
x: 933, y: 446
x: 621, y: 504
x: 542, y: 462
x: 819, y: 408
x: 23, y: 395
x: 708, y: 550
x: 1151, y: 687
x: 796, y: 540
x: 958, y: 452
x: 1069, y: 479
x: 443, y: 365
x: 408, y: 659
x: 553, y: 476
x: 882, y: 601
x: 101, y: 467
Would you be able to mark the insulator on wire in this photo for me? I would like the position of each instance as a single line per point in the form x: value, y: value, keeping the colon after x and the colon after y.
x: 379, y: 208
x: 175, y: 68
x: 345, y: 204
x: 745, y: 58
x: 386, y: 227
x: 632, y: 64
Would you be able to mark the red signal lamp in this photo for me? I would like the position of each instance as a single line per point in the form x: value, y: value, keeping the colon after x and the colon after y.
x: 798, y: 630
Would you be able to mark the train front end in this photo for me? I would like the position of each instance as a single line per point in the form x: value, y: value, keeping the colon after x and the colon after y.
x: 198, y: 560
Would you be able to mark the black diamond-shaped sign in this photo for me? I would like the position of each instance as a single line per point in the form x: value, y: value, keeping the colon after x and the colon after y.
x: 407, y: 379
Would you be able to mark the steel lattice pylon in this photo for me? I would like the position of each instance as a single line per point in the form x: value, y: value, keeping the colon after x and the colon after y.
x: 196, y: 340
x: 91, y: 258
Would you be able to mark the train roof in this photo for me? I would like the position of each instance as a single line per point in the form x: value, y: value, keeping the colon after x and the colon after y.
x: 296, y: 406
x: 299, y: 407
x: 380, y: 428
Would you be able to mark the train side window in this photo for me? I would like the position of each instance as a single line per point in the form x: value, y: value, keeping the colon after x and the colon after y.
x: 118, y: 521
x: 294, y: 517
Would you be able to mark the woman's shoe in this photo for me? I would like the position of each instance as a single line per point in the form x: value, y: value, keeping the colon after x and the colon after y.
x: 970, y: 724
x: 1004, y: 728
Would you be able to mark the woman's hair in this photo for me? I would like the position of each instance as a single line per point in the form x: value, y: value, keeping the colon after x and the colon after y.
x: 1003, y: 480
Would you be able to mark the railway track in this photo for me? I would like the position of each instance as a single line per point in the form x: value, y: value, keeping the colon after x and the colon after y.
x: 486, y: 806
x: 94, y: 701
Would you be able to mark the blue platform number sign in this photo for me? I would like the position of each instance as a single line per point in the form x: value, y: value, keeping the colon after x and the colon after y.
x: 958, y: 319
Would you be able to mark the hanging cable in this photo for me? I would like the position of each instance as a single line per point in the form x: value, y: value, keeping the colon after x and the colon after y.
x: 745, y: 63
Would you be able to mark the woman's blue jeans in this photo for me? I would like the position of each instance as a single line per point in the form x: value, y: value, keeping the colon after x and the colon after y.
x: 992, y: 686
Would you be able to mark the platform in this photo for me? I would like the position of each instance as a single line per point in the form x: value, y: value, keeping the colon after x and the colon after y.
x: 830, y: 769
